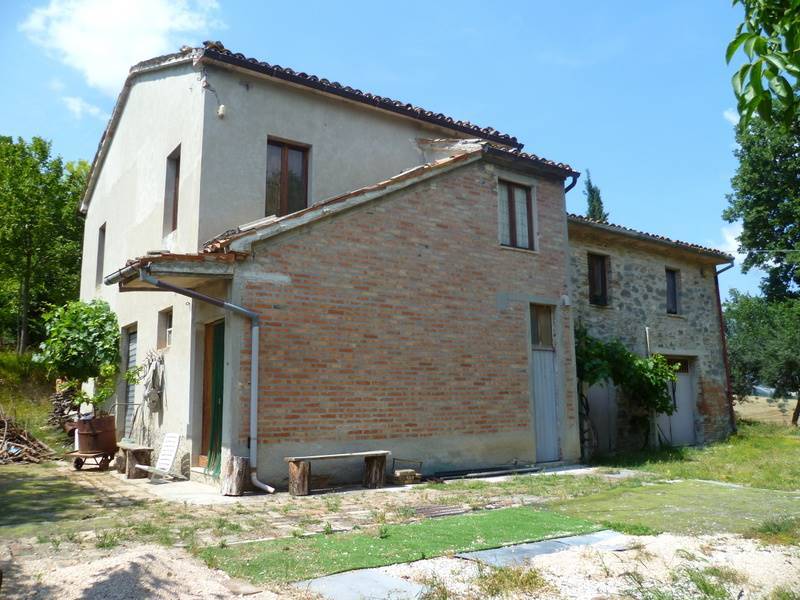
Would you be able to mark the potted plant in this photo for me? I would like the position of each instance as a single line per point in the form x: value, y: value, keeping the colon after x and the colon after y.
x: 83, y: 345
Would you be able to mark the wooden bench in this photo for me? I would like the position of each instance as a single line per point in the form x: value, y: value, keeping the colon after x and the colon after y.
x: 300, y: 469
x: 134, y: 454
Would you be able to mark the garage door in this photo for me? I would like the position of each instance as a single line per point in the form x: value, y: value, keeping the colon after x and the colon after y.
x: 677, y: 429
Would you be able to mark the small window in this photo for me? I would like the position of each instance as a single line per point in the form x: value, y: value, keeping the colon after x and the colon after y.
x: 101, y: 253
x: 542, y: 326
x: 598, y: 279
x: 287, y: 178
x: 673, y: 282
x: 172, y: 191
x: 164, y: 328
x: 515, y: 215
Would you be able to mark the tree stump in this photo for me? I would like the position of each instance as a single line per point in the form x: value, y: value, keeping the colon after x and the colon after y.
x: 234, y: 475
x: 137, y: 457
x: 374, y: 471
x: 299, y: 474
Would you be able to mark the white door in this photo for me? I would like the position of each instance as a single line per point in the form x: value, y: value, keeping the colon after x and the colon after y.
x: 603, y: 415
x: 543, y: 383
x: 677, y: 429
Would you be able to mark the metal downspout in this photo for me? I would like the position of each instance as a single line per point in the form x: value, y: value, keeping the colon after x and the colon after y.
x: 254, y: 351
x: 723, y: 337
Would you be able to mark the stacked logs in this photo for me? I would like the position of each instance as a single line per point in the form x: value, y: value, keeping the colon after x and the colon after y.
x: 17, y: 445
x: 63, y: 408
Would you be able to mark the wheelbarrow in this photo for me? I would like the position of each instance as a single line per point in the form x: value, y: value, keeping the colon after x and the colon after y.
x: 100, y: 459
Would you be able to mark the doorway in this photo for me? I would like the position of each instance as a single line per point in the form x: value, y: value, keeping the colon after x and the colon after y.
x: 543, y: 383
x: 213, y: 386
x: 677, y: 429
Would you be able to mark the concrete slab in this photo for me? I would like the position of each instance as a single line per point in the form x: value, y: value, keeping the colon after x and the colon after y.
x: 520, y: 553
x: 364, y: 584
x: 189, y: 492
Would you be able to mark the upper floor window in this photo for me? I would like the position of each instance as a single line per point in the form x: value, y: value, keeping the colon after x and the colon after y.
x: 673, y: 284
x: 101, y: 253
x: 515, y: 211
x: 287, y: 178
x: 598, y: 279
x: 172, y: 191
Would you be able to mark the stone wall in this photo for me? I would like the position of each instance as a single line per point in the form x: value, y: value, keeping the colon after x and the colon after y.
x: 637, y: 299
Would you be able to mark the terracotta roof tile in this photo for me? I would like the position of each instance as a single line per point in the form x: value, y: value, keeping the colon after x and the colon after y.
x: 650, y: 236
x: 216, y: 51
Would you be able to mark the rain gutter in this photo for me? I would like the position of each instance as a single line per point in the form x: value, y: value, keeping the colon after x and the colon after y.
x: 254, y: 332
x: 723, y: 337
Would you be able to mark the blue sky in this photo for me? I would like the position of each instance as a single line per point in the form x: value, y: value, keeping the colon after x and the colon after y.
x: 637, y: 92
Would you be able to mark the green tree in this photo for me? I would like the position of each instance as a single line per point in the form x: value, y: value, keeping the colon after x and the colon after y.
x: 40, y: 233
x: 594, y: 203
x: 763, y: 337
x: 766, y: 198
x: 769, y: 36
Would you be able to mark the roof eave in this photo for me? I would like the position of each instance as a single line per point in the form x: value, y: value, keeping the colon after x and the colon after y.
x: 713, y: 256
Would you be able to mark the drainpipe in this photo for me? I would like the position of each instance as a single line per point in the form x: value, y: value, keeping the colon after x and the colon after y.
x: 728, y: 390
x: 254, y: 331
x: 571, y: 183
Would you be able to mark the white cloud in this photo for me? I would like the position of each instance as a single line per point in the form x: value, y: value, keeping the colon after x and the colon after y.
x: 79, y: 107
x: 731, y: 116
x: 102, y: 39
x: 730, y: 240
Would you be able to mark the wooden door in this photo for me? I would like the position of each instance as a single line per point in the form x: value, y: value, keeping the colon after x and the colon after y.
x: 213, y: 377
x: 543, y: 383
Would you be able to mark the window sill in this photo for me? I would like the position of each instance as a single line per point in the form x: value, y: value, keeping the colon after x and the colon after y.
x: 601, y: 306
x: 676, y: 316
x: 515, y: 249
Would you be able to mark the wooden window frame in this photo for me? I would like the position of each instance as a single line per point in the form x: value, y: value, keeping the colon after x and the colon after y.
x: 677, y: 288
x: 604, y: 278
x: 286, y: 145
x: 512, y: 214
x: 533, y: 309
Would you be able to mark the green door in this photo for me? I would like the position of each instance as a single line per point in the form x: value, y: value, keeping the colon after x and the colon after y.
x: 213, y: 377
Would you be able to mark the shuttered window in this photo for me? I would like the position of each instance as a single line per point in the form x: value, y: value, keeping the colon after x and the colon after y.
x: 598, y: 279
x: 672, y: 292
x: 515, y: 215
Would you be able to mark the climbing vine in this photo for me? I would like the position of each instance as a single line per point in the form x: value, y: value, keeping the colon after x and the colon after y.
x: 643, y: 380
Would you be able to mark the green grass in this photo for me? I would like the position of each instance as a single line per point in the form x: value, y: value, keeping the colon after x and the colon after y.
x: 686, y: 507
x: 506, y: 581
x: 301, y: 558
x: 761, y: 455
x: 777, y: 530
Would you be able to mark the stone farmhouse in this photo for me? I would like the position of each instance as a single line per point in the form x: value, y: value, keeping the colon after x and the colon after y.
x: 324, y: 270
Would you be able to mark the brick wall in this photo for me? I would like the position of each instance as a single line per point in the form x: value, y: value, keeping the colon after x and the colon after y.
x: 391, y: 326
x: 637, y: 299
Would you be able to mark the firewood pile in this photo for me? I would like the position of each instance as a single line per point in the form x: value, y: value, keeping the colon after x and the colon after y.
x: 63, y: 409
x: 17, y: 445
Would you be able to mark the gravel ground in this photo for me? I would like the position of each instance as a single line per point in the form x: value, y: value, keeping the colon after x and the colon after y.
x: 657, y: 562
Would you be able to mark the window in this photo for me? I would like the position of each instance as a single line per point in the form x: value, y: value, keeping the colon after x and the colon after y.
x: 673, y: 281
x: 172, y: 191
x: 101, y: 253
x: 542, y: 326
x: 598, y: 279
x: 164, y: 338
x: 515, y: 215
x: 287, y: 178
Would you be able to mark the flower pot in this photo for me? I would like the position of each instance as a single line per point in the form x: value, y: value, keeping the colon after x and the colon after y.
x: 97, y: 434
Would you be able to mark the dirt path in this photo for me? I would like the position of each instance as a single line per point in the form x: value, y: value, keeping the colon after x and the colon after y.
x: 140, y: 572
